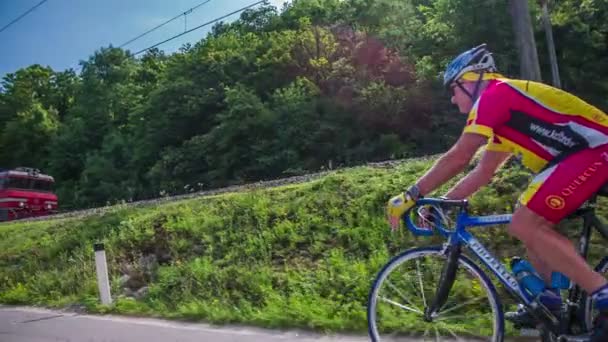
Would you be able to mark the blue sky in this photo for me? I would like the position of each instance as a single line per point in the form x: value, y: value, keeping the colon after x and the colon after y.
x: 60, y: 33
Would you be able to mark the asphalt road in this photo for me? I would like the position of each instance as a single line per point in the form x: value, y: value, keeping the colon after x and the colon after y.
x: 26, y: 324
x: 38, y: 325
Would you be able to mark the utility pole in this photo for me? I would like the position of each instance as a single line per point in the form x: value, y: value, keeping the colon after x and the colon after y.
x: 524, y: 37
x: 550, y: 44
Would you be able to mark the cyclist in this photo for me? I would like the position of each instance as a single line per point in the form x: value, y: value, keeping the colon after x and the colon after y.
x: 555, y: 134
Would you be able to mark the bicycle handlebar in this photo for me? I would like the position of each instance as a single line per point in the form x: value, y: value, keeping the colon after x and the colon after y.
x: 440, y: 204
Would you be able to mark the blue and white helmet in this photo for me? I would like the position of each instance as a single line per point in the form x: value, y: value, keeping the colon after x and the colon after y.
x: 475, y: 59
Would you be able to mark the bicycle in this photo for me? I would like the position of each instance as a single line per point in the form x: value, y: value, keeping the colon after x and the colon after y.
x: 457, y: 295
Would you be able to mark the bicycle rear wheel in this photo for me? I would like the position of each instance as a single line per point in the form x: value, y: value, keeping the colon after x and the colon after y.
x: 406, y: 285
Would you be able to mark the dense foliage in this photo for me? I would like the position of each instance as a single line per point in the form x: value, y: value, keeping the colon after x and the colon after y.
x: 319, y: 83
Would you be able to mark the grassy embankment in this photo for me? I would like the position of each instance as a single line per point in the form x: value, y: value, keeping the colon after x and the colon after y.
x: 301, y: 255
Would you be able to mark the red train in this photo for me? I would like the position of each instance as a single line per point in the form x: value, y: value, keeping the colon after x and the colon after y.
x: 26, y: 192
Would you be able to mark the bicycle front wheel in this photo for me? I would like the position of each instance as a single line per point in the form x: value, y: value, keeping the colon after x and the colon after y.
x: 406, y: 286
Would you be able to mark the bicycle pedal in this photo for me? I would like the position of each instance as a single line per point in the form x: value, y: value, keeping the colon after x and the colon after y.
x: 528, y: 332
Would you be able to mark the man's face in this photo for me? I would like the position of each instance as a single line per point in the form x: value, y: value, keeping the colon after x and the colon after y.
x: 460, y: 98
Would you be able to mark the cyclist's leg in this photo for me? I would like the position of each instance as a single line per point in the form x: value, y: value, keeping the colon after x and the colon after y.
x: 553, y: 249
x: 550, y: 298
x: 540, y: 266
x: 551, y: 196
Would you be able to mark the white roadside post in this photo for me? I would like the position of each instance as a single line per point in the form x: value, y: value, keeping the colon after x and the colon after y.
x: 103, y: 282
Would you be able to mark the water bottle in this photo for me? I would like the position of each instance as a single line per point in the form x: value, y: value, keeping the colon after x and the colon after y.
x: 559, y: 281
x: 527, y: 277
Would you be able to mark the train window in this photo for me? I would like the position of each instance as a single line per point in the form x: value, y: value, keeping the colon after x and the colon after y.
x: 2, y: 181
x: 18, y: 183
x: 43, y: 185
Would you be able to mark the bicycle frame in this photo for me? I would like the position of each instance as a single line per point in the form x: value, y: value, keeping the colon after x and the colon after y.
x: 576, y: 294
x: 573, y: 319
x: 460, y: 236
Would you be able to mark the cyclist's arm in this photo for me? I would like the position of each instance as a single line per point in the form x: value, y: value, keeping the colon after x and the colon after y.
x: 452, y: 162
x: 481, y: 175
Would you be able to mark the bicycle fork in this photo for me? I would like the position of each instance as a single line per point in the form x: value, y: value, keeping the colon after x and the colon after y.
x: 446, y: 281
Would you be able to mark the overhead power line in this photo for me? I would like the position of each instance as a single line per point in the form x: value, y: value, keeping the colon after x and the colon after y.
x: 23, y: 15
x: 166, y: 22
x: 196, y: 28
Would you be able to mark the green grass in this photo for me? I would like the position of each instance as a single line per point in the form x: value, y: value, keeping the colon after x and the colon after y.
x: 296, y: 256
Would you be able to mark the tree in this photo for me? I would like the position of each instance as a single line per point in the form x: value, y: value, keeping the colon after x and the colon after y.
x: 107, y: 175
x: 550, y: 43
x: 32, y: 103
x: 526, y: 44
x: 25, y: 138
x: 238, y: 141
x: 580, y: 28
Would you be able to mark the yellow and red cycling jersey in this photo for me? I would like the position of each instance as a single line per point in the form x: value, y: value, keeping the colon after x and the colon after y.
x: 536, y: 122
x: 551, y: 131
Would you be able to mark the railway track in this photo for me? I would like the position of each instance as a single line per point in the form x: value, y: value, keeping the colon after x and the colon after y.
x: 234, y: 188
